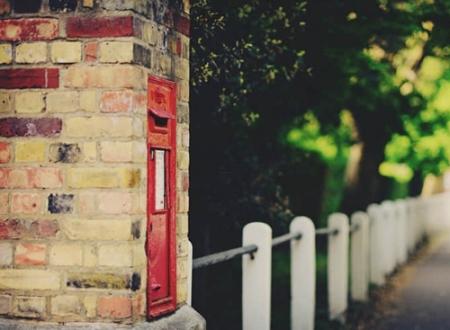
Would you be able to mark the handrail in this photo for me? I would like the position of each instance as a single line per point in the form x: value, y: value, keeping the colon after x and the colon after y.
x: 286, y: 238
x: 327, y: 231
x: 219, y: 257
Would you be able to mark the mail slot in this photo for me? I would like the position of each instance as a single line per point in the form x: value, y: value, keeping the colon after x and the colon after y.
x: 161, y: 186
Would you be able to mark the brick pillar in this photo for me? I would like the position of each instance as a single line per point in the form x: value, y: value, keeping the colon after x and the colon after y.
x: 73, y: 116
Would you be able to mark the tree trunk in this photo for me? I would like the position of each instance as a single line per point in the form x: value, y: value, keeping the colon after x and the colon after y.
x: 367, y: 185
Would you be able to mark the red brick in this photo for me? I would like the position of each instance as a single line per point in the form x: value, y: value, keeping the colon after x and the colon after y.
x: 46, y: 177
x: 121, y: 101
x: 29, y: 78
x: 5, y: 7
x: 91, y: 27
x: 90, y: 51
x: 182, y: 25
x: 29, y: 29
x: 30, y: 254
x: 15, y: 178
x: 12, y: 127
x: 114, y: 307
x: 17, y: 229
x: 27, y: 203
x: 5, y: 152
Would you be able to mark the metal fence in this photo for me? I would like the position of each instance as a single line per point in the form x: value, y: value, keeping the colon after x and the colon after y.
x: 376, y: 242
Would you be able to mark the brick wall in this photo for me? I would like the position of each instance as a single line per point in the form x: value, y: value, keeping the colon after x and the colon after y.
x: 73, y: 79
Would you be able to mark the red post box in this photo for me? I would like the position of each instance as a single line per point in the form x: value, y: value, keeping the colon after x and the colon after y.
x: 161, y: 208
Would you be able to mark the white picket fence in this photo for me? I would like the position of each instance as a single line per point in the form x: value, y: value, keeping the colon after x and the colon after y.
x: 370, y: 246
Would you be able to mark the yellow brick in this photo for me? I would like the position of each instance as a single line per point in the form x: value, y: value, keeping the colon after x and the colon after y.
x: 182, y: 224
x: 30, y: 307
x: 66, y: 305
x: 30, y: 151
x: 90, y: 305
x: 183, y: 160
x: 5, y: 54
x: 30, y: 102
x: 97, y: 230
x: 89, y: 152
x: 66, y: 52
x: 88, y: 101
x: 29, y: 279
x: 66, y: 254
x: 116, y: 151
x: 5, y: 102
x: 32, y: 52
x: 182, y: 68
x: 181, y: 291
x: 121, y: 252
x: 139, y: 256
x: 103, y: 177
x: 62, y: 101
x: 90, y: 256
x: 99, y: 127
x: 116, y: 52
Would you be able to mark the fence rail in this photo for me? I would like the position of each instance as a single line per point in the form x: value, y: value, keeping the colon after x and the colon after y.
x: 369, y: 245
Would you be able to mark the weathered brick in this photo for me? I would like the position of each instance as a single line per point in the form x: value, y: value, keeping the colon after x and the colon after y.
x: 97, y: 127
x: 29, y: 279
x: 6, y: 253
x: 116, y: 52
x: 5, y: 152
x: 29, y: 78
x: 5, y: 7
x: 89, y: 152
x: 142, y: 55
x: 30, y: 151
x: 114, y: 202
x: 62, y: 101
x: 15, y: 178
x: 66, y: 254
x: 182, y: 202
x: 120, y: 76
x: 15, y: 229
x: 89, y: 256
x: 90, y: 51
x: 5, y: 54
x: 183, y: 160
x: 63, y: 5
x: 47, y: 177
x: 102, y: 230
x: 46, y: 127
x: 26, y: 203
x: 31, y: 52
x: 122, y: 255
x: 5, y: 304
x: 98, y: 281
x: 90, y: 305
x: 30, y: 102
x: 114, y: 307
x: 103, y: 177
x: 28, y: 29
x: 181, y: 290
x: 65, y: 153
x: 30, y: 254
x: 113, y: 152
x: 66, y: 305
x: 182, y: 224
x: 60, y: 203
x: 117, y: 101
x: 120, y: 26
x: 5, y: 102
x: 66, y: 52
x: 27, y: 6
x: 88, y: 101
x: 4, y: 203
x: 30, y: 307
x: 182, y: 24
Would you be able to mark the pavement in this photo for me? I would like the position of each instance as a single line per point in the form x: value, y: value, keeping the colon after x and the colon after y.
x: 423, y: 303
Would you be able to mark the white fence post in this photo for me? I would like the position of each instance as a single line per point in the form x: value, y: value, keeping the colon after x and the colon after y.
x: 338, y: 266
x: 256, y: 277
x: 303, y: 274
x: 389, y: 234
x: 376, y: 245
x: 360, y: 256
x: 189, y: 279
x: 410, y: 223
x: 402, y: 245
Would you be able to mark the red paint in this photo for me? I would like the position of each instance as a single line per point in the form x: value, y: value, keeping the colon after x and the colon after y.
x: 29, y: 78
x: 47, y: 127
x: 182, y: 25
x: 91, y: 27
x: 29, y: 29
x: 161, y: 231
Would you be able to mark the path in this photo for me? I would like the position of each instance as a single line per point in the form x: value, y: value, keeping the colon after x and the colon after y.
x: 423, y: 303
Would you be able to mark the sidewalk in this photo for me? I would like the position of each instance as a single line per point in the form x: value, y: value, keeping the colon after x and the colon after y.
x: 424, y: 302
